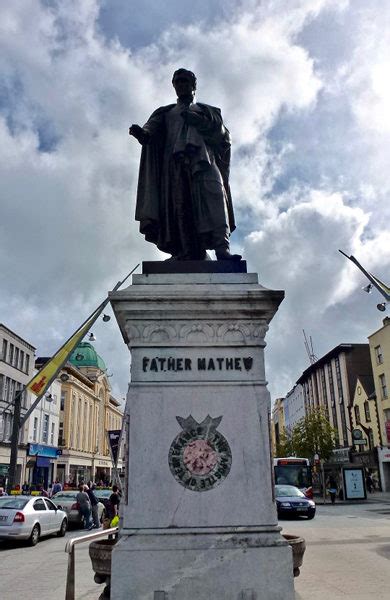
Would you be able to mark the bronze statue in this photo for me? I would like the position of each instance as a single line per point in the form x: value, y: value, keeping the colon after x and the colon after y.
x: 184, y: 203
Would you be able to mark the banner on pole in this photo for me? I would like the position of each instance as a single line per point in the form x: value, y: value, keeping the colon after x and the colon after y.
x: 114, y: 442
x: 42, y: 380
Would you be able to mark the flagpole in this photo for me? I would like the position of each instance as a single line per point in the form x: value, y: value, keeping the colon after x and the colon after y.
x: 19, y: 422
x: 374, y: 280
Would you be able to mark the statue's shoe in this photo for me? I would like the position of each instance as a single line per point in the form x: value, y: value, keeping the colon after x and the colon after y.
x: 225, y: 255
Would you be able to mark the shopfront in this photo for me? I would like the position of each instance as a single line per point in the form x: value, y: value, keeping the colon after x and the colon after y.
x: 41, y: 462
x: 4, y: 475
x: 369, y: 461
x: 384, y: 468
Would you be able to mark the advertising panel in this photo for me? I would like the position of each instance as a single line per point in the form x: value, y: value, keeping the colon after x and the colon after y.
x: 354, y: 484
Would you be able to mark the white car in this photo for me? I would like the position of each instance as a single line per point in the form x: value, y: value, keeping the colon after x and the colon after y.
x: 30, y: 518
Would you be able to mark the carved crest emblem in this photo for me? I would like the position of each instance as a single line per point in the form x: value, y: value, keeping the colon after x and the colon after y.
x: 199, y: 457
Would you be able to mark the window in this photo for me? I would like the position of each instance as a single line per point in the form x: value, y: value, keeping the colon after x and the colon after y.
x: 61, y: 441
x: 357, y: 414
x: 50, y: 504
x: 378, y: 355
x: 35, y: 429
x: 1, y: 386
x: 63, y: 399
x: 27, y: 363
x: 52, y: 434
x: 45, y: 430
x: 382, y: 382
x: 16, y: 357
x: 6, y: 389
x: 4, y: 351
x: 39, y: 504
x: 21, y: 360
x: 367, y: 411
x: 11, y: 354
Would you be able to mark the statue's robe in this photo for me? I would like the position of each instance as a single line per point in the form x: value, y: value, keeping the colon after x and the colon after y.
x: 183, y: 185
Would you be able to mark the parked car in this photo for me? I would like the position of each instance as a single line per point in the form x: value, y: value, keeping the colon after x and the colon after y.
x: 291, y: 501
x: 66, y: 500
x: 30, y: 518
x: 103, y: 495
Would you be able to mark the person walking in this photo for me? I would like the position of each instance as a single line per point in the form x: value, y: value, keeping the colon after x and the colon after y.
x: 332, y: 488
x: 57, y: 487
x: 94, y: 506
x: 369, y: 483
x: 112, y: 507
x: 84, y: 503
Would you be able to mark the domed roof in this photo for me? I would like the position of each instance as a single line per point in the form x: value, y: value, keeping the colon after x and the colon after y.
x: 85, y: 355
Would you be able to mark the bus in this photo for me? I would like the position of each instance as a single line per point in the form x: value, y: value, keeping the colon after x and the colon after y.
x: 291, y: 470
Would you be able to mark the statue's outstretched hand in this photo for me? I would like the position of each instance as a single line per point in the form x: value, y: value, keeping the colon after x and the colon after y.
x: 139, y: 133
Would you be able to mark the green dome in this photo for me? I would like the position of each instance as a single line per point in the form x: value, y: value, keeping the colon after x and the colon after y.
x: 85, y: 355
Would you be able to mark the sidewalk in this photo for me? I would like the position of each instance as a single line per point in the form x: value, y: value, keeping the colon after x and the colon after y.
x: 381, y: 497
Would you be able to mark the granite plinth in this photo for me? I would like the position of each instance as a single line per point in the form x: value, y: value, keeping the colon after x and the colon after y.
x: 198, y: 531
x: 194, y: 266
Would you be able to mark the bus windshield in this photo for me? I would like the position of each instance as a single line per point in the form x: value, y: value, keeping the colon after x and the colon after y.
x: 298, y: 475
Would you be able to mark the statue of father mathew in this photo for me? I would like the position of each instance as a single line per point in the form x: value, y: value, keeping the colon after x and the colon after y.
x: 184, y: 203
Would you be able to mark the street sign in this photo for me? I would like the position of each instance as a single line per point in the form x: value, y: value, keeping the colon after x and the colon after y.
x: 360, y: 442
x: 357, y: 434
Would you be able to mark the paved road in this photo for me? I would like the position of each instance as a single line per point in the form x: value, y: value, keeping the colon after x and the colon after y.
x: 348, y: 553
x: 347, y: 557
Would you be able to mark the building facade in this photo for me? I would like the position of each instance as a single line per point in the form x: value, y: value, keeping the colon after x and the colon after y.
x: 87, y: 412
x: 366, y: 431
x: 294, y: 407
x: 331, y: 381
x: 42, y: 438
x: 17, y: 357
x: 277, y: 424
x: 380, y: 358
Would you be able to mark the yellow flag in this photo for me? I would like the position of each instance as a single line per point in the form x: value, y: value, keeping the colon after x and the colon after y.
x: 42, y: 380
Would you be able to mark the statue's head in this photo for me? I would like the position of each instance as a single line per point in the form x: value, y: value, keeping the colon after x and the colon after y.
x: 184, y: 82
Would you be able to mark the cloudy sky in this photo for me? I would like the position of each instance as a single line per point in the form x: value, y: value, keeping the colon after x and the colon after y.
x: 304, y: 89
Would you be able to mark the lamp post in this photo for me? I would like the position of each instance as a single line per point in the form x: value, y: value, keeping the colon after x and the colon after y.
x: 14, y: 440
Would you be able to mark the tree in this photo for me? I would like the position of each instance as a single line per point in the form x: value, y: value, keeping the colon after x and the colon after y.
x: 284, y: 446
x: 313, y: 434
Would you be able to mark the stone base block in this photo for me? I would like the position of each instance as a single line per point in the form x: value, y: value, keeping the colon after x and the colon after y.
x: 199, y: 566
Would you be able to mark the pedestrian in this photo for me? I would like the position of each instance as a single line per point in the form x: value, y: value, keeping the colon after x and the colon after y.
x: 332, y: 488
x: 3, y: 492
x: 25, y: 489
x: 369, y: 483
x: 94, y: 506
x: 82, y: 500
x: 43, y: 492
x: 111, y: 507
x: 57, y: 487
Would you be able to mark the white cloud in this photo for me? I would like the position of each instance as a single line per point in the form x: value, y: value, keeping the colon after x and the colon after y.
x: 310, y: 160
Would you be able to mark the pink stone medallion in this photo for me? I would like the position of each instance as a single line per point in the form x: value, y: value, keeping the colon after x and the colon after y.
x: 200, y: 456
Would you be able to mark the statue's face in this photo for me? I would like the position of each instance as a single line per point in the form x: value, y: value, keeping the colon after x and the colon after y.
x: 183, y: 85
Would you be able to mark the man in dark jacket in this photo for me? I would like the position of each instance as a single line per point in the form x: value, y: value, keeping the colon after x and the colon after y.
x: 94, y: 506
x: 184, y: 203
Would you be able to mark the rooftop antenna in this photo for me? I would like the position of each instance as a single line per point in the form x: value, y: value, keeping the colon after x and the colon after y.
x: 309, y: 348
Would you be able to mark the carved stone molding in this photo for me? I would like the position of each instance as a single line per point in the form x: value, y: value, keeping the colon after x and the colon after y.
x: 180, y: 333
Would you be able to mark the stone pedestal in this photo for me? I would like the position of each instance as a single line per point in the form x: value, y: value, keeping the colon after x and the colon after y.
x: 199, y: 521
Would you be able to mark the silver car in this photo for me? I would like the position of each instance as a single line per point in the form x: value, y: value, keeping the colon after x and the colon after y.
x: 30, y: 518
x: 67, y: 501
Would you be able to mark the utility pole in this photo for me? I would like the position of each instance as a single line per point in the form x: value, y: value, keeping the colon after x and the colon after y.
x: 14, y: 440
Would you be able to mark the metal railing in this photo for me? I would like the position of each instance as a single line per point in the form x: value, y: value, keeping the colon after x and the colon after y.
x: 70, y: 549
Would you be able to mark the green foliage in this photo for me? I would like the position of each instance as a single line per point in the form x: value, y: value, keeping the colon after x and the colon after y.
x: 313, y: 434
x: 284, y: 447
